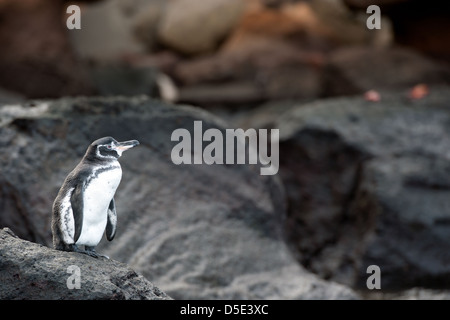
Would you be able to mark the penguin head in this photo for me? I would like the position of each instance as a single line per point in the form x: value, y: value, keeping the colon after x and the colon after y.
x: 109, y: 148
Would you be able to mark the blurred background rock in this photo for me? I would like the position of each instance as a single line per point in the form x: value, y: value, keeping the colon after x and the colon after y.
x: 219, y: 53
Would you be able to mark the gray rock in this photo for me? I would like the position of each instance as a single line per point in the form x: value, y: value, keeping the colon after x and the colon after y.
x: 368, y: 183
x: 108, y: 30
x: 122, y: 80
x: 197, y: 231
x: 9, y: 97
x: 32, y: 271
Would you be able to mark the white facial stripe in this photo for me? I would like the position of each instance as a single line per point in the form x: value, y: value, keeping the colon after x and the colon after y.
x: 97, y: 152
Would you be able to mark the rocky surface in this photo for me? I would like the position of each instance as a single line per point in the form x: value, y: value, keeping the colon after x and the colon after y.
x: 32, y: 271
x: 360, y: 183
x: 197, y: 231
x: 368, y: 183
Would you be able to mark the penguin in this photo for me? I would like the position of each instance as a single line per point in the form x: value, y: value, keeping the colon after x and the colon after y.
x: 84, y: 208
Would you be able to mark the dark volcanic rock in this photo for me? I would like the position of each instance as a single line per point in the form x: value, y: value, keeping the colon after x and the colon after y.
x: 32, y: 271
x: 197, y: 231
x: 356, y: 70
x: 369, y: 183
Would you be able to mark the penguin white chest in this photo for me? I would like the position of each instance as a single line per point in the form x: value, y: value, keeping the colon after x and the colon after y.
x: 97, y: 196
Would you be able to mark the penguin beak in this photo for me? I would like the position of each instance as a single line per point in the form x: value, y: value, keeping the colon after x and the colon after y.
x: 123, y: 146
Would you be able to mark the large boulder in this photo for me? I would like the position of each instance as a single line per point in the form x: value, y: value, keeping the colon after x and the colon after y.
x: 369, y: 184
x: 354, y: 70
x: 36, y: 59
x: 32, y: 271
x: 270, y: 55
x: 198, y: 26
x: 108, y: 30
x: 197, y: 231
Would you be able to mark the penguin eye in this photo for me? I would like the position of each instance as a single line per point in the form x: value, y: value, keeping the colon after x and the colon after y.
x: 109, y: 146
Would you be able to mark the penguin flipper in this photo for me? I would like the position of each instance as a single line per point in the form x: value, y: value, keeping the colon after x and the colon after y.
x: 111, y: 221
x: 76, y: 201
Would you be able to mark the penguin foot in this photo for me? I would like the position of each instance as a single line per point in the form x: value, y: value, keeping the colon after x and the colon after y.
x: 91, y: 252
x: 73, y: 248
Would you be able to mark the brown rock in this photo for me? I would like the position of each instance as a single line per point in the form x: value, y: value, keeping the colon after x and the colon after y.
x: 273, y: 68
x: 36, y: 58
x: 270, y: 49
x: 346, y: 27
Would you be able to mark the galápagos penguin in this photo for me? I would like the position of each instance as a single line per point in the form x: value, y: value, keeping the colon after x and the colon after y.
x: 84, y: 207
